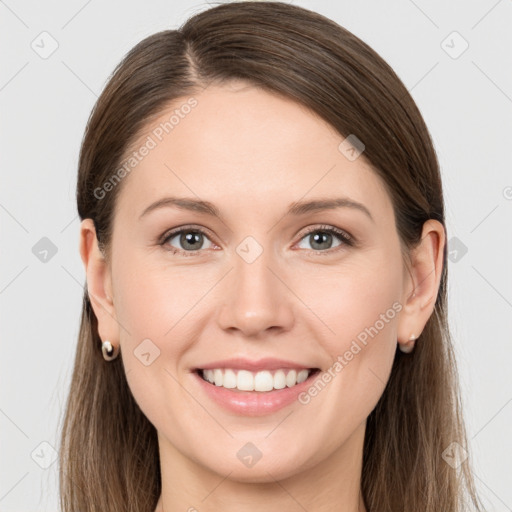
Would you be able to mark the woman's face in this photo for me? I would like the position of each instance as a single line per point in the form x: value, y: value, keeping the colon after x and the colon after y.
x: 260, y: 280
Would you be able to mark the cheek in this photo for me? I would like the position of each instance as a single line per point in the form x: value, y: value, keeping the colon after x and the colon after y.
x: 152, y: 299
x: 356, y: 311
x: 160, y: 310
x: 154, y: 306
x: 350, y: 300
x: 361, y: 310
x: 147, y: 308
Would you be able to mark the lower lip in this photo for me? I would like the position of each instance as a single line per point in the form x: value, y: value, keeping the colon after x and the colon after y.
x: 254, y: 403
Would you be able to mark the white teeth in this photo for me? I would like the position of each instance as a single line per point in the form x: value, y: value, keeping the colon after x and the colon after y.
x: 244, y: 381
x: 302, y: 376
x: 279, y: 380
x: 265, y: 380
x: 217, y: 377
x: 229, y: 380
x: 291, y: 378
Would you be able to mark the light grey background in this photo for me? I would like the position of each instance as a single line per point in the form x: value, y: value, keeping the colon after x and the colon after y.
x: 466, y: 100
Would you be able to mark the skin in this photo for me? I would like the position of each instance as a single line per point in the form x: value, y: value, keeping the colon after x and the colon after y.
x: 252, y: 154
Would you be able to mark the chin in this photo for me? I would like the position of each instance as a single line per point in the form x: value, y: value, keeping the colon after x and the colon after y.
x: 267, y: 469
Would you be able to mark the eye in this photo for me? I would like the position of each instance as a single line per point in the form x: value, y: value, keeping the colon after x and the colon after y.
x: 190, y: 240
x: 321, y: 238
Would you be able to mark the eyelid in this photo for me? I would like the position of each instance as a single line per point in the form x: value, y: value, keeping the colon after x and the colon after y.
x: 171, y: 233
x: 190, y: 227
x: 344, y: 235
x: 347, y: 240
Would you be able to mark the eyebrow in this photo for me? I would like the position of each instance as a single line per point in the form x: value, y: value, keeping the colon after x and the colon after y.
x: 296, y: 208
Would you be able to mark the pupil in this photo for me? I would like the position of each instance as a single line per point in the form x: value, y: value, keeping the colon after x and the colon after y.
x: 321, y: 236
x: 192, y: 239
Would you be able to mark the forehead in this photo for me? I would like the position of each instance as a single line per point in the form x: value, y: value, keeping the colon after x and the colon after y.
x: 238, y: 145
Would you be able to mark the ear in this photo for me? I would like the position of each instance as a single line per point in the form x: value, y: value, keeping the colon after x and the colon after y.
x: 99, y: 283
x: 422, y: 284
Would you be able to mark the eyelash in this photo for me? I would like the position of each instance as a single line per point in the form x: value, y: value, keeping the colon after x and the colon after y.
x: 342, y: 235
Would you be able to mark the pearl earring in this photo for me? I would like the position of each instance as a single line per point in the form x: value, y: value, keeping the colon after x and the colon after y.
x: 109, y: 351
x: 407, y: 348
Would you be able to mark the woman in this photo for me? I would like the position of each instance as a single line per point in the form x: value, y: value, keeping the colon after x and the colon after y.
x: 264, y: 326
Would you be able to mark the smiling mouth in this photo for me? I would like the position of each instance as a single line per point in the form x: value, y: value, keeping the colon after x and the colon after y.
x: 262, y: 381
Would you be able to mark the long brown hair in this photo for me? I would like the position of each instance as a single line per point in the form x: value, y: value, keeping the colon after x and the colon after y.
x: 109, y: 457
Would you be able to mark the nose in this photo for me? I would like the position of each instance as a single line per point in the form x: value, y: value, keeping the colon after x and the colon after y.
x: 256, y: 298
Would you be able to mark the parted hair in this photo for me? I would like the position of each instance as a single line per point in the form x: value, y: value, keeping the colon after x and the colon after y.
x: 109, y: 459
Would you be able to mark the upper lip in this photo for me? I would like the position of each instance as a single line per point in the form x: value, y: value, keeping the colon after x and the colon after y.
x: 240, y: 363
